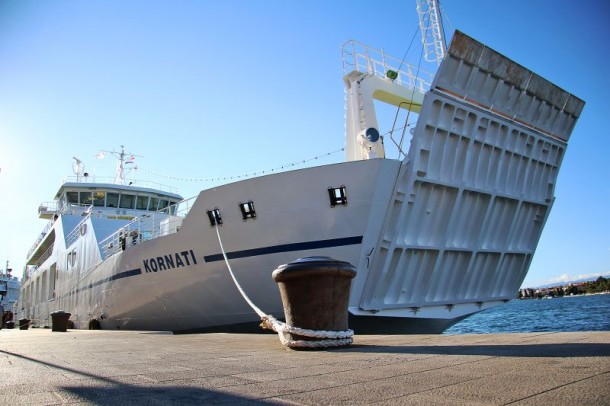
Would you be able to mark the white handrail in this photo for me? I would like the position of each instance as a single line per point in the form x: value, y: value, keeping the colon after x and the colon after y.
x: 362, y: 58
x: 146, y: 227
x: 132, y: 182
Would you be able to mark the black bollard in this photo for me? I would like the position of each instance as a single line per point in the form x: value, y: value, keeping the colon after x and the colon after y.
x: 60, y: 321
x: 315, y: 293
x: 24, y: 324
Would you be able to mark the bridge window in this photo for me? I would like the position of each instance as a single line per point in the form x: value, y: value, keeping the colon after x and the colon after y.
x: 72, y: 197
x: 85, y: 198
x: 99, y: 199
x: 141, y: 202
x: 154, y: 202
x: 127, y: 201
x: 163, y: 205
x: 112, y: 200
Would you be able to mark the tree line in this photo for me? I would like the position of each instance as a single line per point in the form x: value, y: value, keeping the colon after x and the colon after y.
x: 599, y: 285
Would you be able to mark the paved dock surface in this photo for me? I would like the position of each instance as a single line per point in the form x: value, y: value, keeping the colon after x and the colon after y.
x: 41, y: 367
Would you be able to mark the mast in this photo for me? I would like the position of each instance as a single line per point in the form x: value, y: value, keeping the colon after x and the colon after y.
x: 431, y: 26
x: 119, y: 176
x: 7, y: 270
x: 78, y: 169
x: 123, y: 158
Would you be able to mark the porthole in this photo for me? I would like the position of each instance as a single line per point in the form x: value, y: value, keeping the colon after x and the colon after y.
x: 247, y: 210
x: 337, y: 196
x: 214, y: 216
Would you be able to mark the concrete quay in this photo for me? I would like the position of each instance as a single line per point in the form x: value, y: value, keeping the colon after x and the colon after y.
x: 41, y: 367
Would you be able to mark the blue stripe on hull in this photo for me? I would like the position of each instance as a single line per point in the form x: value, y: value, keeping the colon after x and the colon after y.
x: 299, y: 246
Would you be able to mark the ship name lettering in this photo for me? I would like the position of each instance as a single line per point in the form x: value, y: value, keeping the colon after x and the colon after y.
x: 170, y: 261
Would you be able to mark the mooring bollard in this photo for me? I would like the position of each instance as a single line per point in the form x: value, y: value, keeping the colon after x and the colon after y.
x: 24, y: 324
x: 315, y: 294
x: 60, y: 321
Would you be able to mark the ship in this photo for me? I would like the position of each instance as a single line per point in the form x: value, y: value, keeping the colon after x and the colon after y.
x: 9, y: 295
x: 445, y: 231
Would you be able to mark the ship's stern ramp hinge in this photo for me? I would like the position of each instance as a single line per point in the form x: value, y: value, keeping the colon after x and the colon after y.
x: 472, y: 198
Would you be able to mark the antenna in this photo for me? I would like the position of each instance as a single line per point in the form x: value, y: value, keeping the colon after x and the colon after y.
x: 77, y: 168
x: 123, y: 158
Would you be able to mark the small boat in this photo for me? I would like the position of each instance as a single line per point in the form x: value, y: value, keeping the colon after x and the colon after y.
x: 444, y: 231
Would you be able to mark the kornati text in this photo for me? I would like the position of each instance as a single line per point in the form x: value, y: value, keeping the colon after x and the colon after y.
x: 170, y: 261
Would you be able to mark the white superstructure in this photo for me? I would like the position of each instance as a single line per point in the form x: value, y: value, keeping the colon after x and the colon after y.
x: 447, y: 230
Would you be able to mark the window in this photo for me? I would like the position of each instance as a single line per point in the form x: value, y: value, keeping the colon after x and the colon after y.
x: 99, y: 199
x: 247, y: 210
x: 163, y: 205
x: 85, y: 198
x: 337, y: 196
x: 154, y: 202
x: 72, y: 197
x: 127, y: 201
x: 112, y: 200
x: 52, y: 281
x: 71, y: 259
x: 214, y: 216
x: 173, y: 207
x: 142, y: 202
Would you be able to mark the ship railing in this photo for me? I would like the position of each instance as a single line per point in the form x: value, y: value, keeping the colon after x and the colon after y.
x: 184, y: 207
x: 48, y: 206
x: 27, y: 271
x: 63, y: 208
x: 75, y: 209
x: 176, y: 210
x: 365, y: 59
x: 147, y: 227
x: 42, y: 235
x: 80, y: 228
x: 72, y: 209
x: 128, y: 182
x: 44, y: 256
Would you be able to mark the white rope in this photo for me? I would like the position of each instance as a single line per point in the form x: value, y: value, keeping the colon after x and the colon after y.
x: 333, y: 338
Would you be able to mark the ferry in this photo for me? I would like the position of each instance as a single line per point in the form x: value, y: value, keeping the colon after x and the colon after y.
x: 446, y: 230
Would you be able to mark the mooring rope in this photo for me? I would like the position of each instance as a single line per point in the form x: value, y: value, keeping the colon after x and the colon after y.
x: 333, y: 338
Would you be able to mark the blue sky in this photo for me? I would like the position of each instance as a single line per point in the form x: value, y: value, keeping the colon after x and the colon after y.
x: 203, y: 89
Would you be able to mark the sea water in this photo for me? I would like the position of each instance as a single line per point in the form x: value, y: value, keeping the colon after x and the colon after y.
x: 569, y: 313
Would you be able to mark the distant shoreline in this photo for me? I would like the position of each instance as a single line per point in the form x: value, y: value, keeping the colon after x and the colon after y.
x: 600, y: 285
x: 559, y: 297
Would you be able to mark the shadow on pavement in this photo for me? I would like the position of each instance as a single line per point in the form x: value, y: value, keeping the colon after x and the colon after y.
x: 121, y: 394
x: 100, y: 390
x: 500, y: 350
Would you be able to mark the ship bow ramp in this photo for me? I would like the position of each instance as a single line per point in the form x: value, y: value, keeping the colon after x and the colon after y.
x: 475, y: 190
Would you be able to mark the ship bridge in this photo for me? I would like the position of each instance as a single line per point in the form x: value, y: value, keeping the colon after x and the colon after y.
x: 107, y: 200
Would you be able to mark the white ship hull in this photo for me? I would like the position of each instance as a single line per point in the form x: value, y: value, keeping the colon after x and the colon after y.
x: 293, y: 220
x: 446, y: 232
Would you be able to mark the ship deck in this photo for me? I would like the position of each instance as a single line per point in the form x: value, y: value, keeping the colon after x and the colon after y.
x: 39, y: 366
